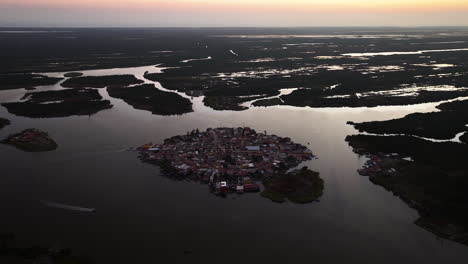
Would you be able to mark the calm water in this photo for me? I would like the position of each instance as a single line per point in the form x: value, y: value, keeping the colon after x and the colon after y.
x: 143, y: 217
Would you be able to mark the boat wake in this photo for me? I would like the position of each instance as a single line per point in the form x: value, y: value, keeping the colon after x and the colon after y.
x: 69, y: 207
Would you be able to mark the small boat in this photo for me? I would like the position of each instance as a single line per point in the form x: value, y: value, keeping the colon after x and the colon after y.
x: 69, y: 207
x: 240, y: 188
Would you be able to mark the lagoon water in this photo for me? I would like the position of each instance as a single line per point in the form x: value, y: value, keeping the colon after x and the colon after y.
x: 143, y: 217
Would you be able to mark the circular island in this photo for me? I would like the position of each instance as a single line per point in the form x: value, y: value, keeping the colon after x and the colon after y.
x: 234, y: 160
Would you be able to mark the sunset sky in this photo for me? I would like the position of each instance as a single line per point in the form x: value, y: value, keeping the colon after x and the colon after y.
x: 233, y: 13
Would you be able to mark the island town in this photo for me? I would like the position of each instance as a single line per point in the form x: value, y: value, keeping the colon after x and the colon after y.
x: 228, y: 159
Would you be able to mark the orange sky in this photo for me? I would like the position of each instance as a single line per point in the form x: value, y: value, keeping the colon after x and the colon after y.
x: 272, y: 5
x: 236, y: 12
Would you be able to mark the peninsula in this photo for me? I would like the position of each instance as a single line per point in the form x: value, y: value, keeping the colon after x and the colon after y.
x: 421, y: 159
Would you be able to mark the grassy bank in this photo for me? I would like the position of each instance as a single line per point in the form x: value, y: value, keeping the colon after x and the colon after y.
x: 299, y: 186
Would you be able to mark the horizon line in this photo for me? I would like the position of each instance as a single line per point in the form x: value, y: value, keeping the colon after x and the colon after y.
x: 104, y: 27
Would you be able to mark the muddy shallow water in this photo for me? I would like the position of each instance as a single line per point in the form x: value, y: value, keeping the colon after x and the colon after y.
x: 142, y: 217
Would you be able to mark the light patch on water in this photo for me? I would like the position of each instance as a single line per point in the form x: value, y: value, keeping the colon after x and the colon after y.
x: 448, y: 74
x: 415, y: 90
x: 404, y: 91
x: 293, y: 58
x: 52, y: 102
x: 391, y: 53
x: 458, y: 136
x: 264, y: 73
x: 331, y: 67
x: 440, y: 75
x: 440, y: 42
x: 304, y: 44
x: 202, y: 59
x: 455, y: 139
x: 333, y: 87
x: 285, y: 91
x: 338, y: 96
x: 408, y: 109
x: 339, y: 57
x: 260, y: 60
x: 285, y: 72
x: 251, y: 95
x: 137, y: 71
x: 161, y: 51
x: 329, y: 57
x: 322, y: 36
x: 435, y: 66
x: 233, y: 53
x: 388, y: 68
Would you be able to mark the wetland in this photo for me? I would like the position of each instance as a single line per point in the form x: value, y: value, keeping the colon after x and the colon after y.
x: 404, y: 92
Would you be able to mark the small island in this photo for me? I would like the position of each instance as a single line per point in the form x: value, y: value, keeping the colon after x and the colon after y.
x: 101, y: 81
x: 59, y: 103
x: 222, y: 103
x: 148, y: 97
x: 233, y: 160
x: 4, y: 122
x: 26, y: 81
x: 31, y: 140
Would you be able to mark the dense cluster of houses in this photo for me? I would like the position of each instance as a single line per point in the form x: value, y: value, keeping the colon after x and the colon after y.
x: 227, y: 158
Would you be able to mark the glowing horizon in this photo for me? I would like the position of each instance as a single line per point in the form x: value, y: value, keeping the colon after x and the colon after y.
x: 249, y: 12
x: 329, y: 5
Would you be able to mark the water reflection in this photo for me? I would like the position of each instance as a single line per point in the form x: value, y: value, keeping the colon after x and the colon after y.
x: 151, y: 217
